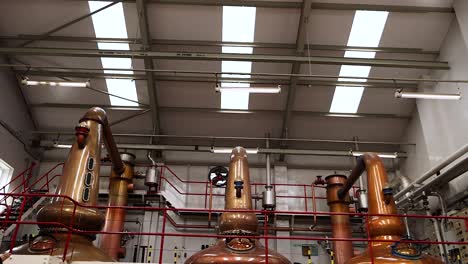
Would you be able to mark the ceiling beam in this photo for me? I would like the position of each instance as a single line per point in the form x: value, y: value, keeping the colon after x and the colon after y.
x: 440, y: 65
x: 219, y: 111
x: 205, y: 43
x: 149, y: 64
x: 298, y: 4
x: 296, y: 69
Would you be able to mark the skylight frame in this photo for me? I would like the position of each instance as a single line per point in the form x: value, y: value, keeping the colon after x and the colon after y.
x: 110, y: 23
x: 238, y: 26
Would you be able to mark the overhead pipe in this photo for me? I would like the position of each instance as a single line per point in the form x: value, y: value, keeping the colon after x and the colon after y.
x: 197, y: 148
x: 381, y: 226
x: 434, y: 183
x: 268, y: 195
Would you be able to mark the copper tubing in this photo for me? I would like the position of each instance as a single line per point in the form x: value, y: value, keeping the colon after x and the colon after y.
x: 98, y: 114
x: 376, y: 180
x: 115, y: 217
x: 340, y: 223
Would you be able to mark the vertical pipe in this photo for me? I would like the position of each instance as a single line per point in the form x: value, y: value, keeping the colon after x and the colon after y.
x: 268, y: 166
x: 161, y: 246
x: 115, y: 217
x: 341, y: 228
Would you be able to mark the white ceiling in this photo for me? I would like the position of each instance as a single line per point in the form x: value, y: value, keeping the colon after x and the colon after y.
x: 273, y: 25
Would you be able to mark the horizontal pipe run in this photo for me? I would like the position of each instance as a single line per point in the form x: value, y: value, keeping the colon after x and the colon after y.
x: 225, y: 111
x: 174, y: 42
x: 434, y: 183
x: 216, y: 74
x: 436, y: 169
x: 360, y: 142
x: 298, y: 4
x: 208, y: 149
x: 62, y: 52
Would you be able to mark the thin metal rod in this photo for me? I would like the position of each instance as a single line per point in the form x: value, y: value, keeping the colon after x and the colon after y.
x: 114, y: 95
x: 216, y: 73
x: 50, y: 32
x: 268, y: 165
x: 129, y: 117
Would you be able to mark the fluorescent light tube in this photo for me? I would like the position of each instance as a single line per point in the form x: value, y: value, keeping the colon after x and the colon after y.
x: 440, y: 96
x: 63, y: 84
x: 382, y: 155
x: 62, y: 146
x: 229, y: 150
x: 250, y: 89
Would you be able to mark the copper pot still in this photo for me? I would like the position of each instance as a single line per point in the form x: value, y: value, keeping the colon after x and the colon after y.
x: 80, y: 182
x: 381, y: 228
x: 238, y: 196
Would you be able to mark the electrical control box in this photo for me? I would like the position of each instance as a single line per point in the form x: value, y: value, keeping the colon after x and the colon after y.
x: 460, y: 229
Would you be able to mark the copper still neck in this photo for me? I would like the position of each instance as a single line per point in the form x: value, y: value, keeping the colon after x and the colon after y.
x: 80, y: 179
x: 385, y: 227
x: 238, y: 249
x: 238, y: 196
x: 380, y: 196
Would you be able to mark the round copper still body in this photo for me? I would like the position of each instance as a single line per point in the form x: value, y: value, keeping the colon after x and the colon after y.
x: 238, y: 197
x: 80, y: 248
x: 220, y: 253
x: 382, y: 254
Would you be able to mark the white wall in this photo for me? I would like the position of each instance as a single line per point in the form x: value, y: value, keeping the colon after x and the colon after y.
x: 13, y: 112
x: 439, y: 127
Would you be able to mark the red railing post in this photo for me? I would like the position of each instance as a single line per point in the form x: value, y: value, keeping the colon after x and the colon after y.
x: 163, y: 230
x: 70, y: 230
x: 265, y: 233
x: 20, y: 214
x: 305, y: 197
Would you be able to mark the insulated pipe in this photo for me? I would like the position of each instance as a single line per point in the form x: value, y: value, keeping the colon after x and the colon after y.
x: 457, y: 154
x: 340, y: 223
x: 435, y: 182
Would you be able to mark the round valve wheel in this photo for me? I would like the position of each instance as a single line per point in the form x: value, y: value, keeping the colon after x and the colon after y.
x: 218, y: 176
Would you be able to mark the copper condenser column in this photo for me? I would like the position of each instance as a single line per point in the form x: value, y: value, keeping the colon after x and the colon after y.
x: 80, y: 182
x: 238, y: 196
x: 341, y: 228
x: 115, y: 217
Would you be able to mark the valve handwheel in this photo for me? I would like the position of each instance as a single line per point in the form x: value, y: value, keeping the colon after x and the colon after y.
x: 218, y: 176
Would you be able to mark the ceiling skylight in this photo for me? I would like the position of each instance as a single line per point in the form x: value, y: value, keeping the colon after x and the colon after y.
x: 110, y: 23
x: 238, y: 26
x: 366, y: 31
